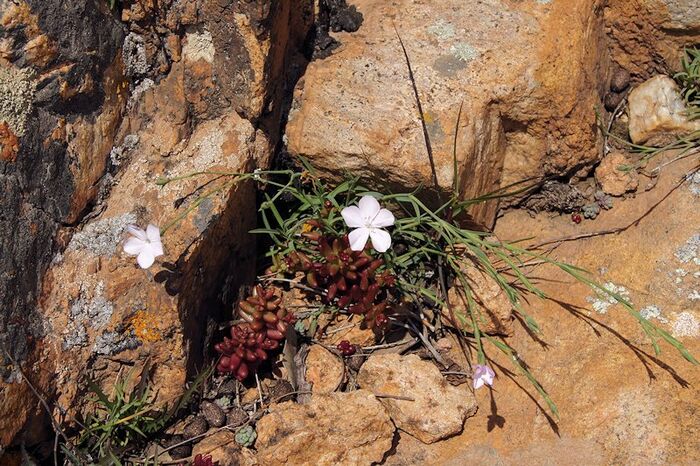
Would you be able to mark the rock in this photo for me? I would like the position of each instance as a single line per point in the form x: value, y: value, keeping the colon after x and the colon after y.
x: 324, y: 370
x: 182, y: 451
x: 355, y: 111
x: 214, y: 415
x: 495, y: 311
x: 611, y: 179
x: 612, y: 100
x: 236, y: 417
x: 350, y: 329
x: 438, y: 410
x: 338, y: 428
x: 657, y: 113
x: 280, y: 390
x: 195, y: 428
x: 223, y: 448
x: 620, y: 80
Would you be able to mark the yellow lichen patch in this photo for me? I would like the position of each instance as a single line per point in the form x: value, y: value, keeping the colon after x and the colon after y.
x: 145, y: 326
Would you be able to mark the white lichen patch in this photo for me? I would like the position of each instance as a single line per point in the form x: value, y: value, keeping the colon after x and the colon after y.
x: 442, y: 30
x: 686, y: 325
x: 602, y: 301
x: 17, y: 88
x: 199, y: 46
x: 112, y: 343
x: 689, y: 251
x: 464, y: 52
x: 694, y: 183
x: 653, y: 312
x: 92, y: 308
x: 103, y: 236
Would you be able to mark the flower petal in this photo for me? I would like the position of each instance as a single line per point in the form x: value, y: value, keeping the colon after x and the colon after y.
x: 358, y: 238
x: 133, y: 230
x: 384, y: 218
x: 353, y: 217
x: 153, y: 233
x: 145, y: 258
x: 156, y: 248
x: 133, y: 245
x: 381, y: 240
x: 478, y: 383
x: 369, y: 207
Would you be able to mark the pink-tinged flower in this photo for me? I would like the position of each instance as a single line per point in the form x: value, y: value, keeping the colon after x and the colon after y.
x: 368, y: 218
x: 145, y: 245
x: 483, y: 375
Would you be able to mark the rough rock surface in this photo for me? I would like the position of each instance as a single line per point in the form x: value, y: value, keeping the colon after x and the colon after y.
x: 647, y: 36
x: 657, y: 113
x: 340, y: 428
x: 618, y: 403
x: 222, y: 447
x: 494, y: 309
x: 612, y: 179
x: 438, y: 410
x: 324, y: 371
x: 88, y: 123
x: 527, y: 95
x: 60, y: 101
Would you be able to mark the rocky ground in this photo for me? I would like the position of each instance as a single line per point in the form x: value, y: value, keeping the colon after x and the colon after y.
x: 89, y: 123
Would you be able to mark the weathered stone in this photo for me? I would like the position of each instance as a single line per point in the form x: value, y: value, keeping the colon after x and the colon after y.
x: 324, y: 371
x: 236, y: 417
x: 222, y: 447
x: 526, y: 111
x: 620, y: 80
x: 214, y: 415
x: 338, y: 428
x: 494, y: 311
x: 612, y: 177
x: 437, y: 410
x: 195, y: 428
x: 657, y: 113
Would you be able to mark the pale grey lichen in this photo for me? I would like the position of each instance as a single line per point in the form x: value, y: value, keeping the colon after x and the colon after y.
x: 134, y: 55
x: 602, y: 301
x: 686, y: 325
x: 653, y: 312
x: 694, y: 182
x: 689, y: 251
x: 103, y: 236
x: 92, y: 308
x: 17, y: 88
x: 442, y: 30
x: 116, y: 155
x: 75, y: 335
x: 464, y: 52
x: 110, y: 343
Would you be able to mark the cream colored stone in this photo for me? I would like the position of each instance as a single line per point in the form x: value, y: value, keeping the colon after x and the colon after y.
x: 612, y: 179
x: 657, y: 113
x: 324, y: 370
x: 350, y: 428
x: 437, y: 409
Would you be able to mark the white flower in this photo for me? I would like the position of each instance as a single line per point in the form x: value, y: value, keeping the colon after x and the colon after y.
x: 483, y: 375
x: 367, y: 219
x: 145, y: 245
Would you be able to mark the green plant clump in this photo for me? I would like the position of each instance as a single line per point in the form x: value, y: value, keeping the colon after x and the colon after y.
x: 689, y: 81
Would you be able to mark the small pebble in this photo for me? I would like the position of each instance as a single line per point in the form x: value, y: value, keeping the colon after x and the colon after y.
x: 355, y: 361
x: 612, y: 100
x: 228, y: 387
x: 280, y: 391
x: 236, y: 417
x: 183, y: 451
x: 198, y: 426
x: 214, y: 415
x: 620, y: 80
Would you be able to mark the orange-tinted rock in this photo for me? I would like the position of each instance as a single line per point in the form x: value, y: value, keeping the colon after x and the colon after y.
x: 9, y: 144
x: 615, y: 175
x: 340, y: 428
x: 526, y: 111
